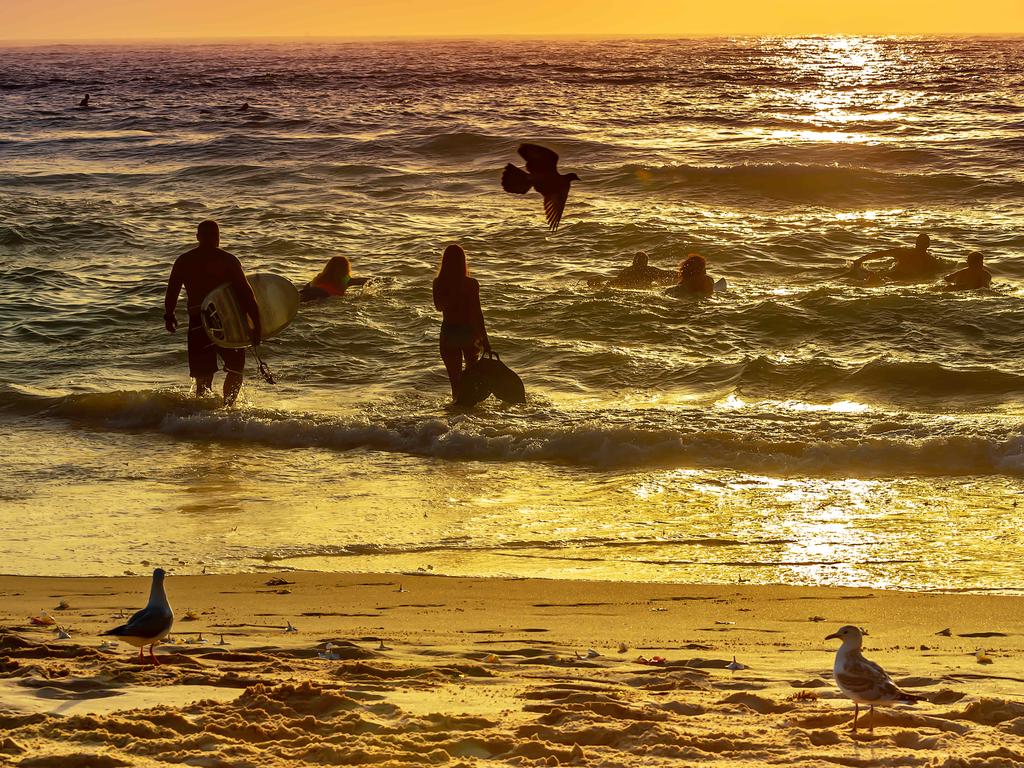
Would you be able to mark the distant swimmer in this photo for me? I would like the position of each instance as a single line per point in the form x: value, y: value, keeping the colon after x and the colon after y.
x: 693, y: 278
x: 637, y: 275
x: 457, y: 298
x: 200, y: 271
x: 971, y: 277
x: 244, y: 107
x: 84, y: 103
x: 541, y: 174
x: 908, y: 263
x: 333, y: 280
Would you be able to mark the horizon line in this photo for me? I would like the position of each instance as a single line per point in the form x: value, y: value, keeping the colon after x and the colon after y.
x: 29, y: 41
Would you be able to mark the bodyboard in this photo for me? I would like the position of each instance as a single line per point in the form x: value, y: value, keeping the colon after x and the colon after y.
x: 502, y: 381
x: 473, y: 387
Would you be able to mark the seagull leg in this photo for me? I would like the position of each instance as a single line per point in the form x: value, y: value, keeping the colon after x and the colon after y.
x: 155, y: 662
x: 856, y: 714
x: 140, y: 656
x: 871, y: 716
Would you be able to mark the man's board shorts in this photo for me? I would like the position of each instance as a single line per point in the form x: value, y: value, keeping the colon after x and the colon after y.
x: 202, y: 354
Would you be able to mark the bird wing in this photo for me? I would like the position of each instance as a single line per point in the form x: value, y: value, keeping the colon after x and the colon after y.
x: 868, y: 680
x: 554, y: 205
x: 149, y: 622
x: 539, y: 160
x: 515, y: 180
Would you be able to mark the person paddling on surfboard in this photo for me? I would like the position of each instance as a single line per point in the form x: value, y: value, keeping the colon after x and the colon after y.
x: 333, y: 280
x: 907, y: 263
x: 639, y: 274
x: 200, y: 271
x: 457, y: 297
x: 693, y: 278
x: 972, y: 277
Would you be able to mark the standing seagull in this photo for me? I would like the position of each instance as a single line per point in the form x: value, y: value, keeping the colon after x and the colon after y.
x: 541, y: 174
x: 150, y: 625
x: 861, y: 680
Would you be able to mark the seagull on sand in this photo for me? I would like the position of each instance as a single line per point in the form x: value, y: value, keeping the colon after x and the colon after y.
x: 861, y: 680
x: 150, y: 625
x: 541, y: 174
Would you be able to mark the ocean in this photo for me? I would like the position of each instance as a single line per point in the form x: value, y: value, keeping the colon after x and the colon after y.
x: 795, y: 429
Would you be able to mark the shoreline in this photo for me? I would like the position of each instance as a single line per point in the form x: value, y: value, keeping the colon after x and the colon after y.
x: 395, y: 669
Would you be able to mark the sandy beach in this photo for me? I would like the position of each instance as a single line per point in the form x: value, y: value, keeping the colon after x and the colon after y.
x: 420, y: 669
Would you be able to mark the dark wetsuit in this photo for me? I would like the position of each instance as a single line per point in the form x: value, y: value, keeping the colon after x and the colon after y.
x: 640, y: 277
x: 701, y: 285
x: 200, y: 271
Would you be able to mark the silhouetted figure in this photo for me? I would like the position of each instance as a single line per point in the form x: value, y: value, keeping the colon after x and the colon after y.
x: 541, y: 174
x: 244, y: 107
x: 457, y: 297
x: 639, y: 274
x: 333, y: 280
x: 200, y: 271
x: 908, y: 263
x: 972, y: 277
x: 693, y: 278
x: 84, y: 103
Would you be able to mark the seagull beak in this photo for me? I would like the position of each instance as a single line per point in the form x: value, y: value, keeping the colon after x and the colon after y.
x: 833, y: 636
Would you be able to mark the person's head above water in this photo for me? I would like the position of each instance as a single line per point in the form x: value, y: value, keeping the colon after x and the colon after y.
x: 453, y: 264
x: 693, y: 267
x: 976, y: 260
x: 337, y: 269
x: 923, y: 241
x: 208, y: 234
x: 640, y: 259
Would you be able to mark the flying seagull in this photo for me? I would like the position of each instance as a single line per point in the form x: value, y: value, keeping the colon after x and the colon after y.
x: 861, y: 680
x: 150, y: 625
x: 541, y: 174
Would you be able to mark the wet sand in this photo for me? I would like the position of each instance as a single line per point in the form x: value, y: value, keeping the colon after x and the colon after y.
x: 419, y: 670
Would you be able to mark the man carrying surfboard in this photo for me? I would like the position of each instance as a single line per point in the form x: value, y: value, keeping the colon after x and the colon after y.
x: 201, y: 270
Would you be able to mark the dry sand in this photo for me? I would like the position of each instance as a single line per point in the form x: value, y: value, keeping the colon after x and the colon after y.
x: 429, y: 670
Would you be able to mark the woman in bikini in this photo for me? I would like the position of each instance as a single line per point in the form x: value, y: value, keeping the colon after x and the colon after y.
x: 457, y: 297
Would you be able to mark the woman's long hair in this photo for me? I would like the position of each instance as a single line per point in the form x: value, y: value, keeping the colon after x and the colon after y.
x: 337, y: 269
x: 453, y: 265
x: 694, y: 266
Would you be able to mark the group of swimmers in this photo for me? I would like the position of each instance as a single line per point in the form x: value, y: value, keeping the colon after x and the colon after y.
x: 908, y: 264
x: 456, y: 296
x: 917, y: 263
x: 692, y: 278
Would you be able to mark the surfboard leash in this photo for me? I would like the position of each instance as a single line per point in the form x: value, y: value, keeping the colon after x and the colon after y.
x: 264, y: 369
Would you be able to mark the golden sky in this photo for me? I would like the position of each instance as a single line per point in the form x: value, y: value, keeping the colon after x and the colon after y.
x: 108, y: 19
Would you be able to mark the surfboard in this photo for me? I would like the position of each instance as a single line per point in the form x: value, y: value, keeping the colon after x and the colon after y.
x: 721, y: 286
x: 487, y: 376
x: 224, y: 319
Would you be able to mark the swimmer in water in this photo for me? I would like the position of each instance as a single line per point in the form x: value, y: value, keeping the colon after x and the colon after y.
x: 693, y: 278
x: 972, y: 277
x: 333, y: 280
x: 84, y: 103
x: 639, y: 274
x: 244, y: 107
x: 908, y: 263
